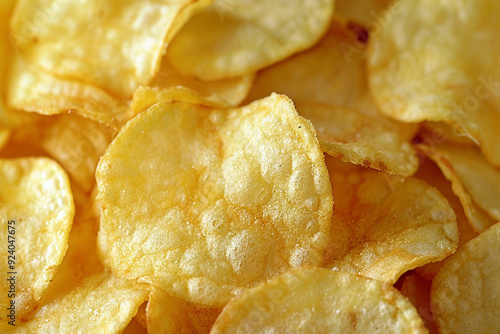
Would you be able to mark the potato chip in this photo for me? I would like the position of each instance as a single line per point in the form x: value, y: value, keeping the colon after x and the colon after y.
x: 333, y: 94
x: 114, y: 45
x: 230, y: 92
x: 77, y: 144
x: 474, y: 181
x: 432, y: 133
x: 33, y: 90
x: 465, y: 295
x: 320, y: 301
x: 234, y: 38
x: 384, y: 225
x: 204, y: 202
x: 36, y: 211
x: 102, y: 303
x: 431, y: 174
x: 168, y: 314
x: 423, y: 65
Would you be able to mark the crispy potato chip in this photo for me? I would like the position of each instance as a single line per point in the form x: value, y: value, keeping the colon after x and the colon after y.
x: 417, y: 289
x: 465, y: 295
x: 368, y: 13
x: 333, y: 94
x: 77, y: 144
x: 474, y: 180
x: 423, y: 65
x: 230, y: 92
x: 36, y: 212
x: 384, y: 225
x: 102, y: 303
x: 206, y: 202
x: 114, y: 45
x: 234, y: 38
x: 168, y: 314
x: 320, y: 301
x: 33, y: 90
x: 431, y: 174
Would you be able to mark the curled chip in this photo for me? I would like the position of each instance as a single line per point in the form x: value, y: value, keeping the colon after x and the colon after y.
x: 34, y: 90
x: 465, y: 295
x: 234, y: 38
x: 204, y: 202
x: 168, y: 314
x: 333, y: 94
x: 320, y: 301
x: 101, y: 303
x: 474, y: 180
x: 423, y: 65
x: 114, y: 45
x: 36, y: 213
x: 384, y: 225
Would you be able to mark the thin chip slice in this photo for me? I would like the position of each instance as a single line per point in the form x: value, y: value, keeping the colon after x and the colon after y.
x: 206, y: 202
x: 114, y: 45
x: 230, y: 92
x: 320, y: 301
x: 431, y: 174
x: 102, y: 303
x: 168, y: 314
x: 474, y: 180
x: 234, y: 38
x: 34, y: 90
x: 77, y: 144
x: 384, y: 225
x: 36, y: 213
x: 333, y: 94
x: 465, y: 295
x: 424, y: 66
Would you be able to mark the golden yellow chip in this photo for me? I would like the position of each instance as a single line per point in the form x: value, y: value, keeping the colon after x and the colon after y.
x: 234, y: 38
x: 429, y: 62
x: 230, y: 91
x: 102, y: 303
x: 465, y: 295
x: 474, y: 180
x: 383, y: 225
x: 34, y: 90
x: 320, y: 301
x: 36, y: 212
x: 168, y: 314
x: 114, y: 45
x: 330, y: 88
x: 77, y: 144
x: 431, y: 174
x: 206, y: 202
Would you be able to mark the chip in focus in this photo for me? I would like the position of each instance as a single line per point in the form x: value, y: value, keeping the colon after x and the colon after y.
x: 204, y: 202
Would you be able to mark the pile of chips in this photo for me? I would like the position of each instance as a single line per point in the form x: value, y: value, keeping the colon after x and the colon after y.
x: 223, y: 166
